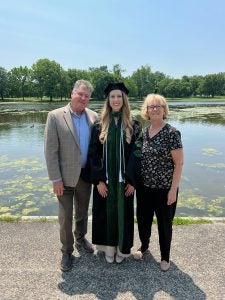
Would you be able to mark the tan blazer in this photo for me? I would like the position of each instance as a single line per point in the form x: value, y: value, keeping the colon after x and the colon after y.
x: 62, y: 150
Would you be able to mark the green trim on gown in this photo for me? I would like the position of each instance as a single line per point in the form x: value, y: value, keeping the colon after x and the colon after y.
x: 115, y: 198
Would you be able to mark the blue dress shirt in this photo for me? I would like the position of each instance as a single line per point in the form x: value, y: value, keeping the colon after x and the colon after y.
x: 80, y: 123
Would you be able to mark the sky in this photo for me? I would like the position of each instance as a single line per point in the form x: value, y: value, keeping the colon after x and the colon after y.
x: 176, y: 37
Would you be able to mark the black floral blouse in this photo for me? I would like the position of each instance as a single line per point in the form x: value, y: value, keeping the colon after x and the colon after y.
x: 156, y: 161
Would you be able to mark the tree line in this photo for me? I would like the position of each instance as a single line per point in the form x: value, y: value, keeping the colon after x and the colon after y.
x: 47, y: 78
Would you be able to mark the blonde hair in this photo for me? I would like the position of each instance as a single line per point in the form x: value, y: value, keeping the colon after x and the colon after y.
x: 126, y: 119
x: 150, y: 98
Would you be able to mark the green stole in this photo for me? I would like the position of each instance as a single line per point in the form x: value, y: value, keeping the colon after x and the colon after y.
x: 115, y: 198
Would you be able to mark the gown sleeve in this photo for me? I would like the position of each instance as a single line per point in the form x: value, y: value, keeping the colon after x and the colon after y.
x: 132, y: 173
x: 96, y: 162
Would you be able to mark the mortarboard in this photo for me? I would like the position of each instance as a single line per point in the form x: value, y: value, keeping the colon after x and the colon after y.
x: 116, y: 86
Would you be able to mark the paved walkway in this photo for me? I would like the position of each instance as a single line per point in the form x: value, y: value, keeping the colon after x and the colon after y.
x: 30, y: 256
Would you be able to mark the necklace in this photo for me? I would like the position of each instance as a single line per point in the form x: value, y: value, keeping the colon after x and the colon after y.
x: 153, y: 131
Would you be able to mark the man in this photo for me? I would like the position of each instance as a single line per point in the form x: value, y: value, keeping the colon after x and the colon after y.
x: 67, y: 136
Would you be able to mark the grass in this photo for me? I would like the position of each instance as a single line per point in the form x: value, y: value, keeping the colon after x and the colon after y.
x: 10, y: 218
x: 46, y: 99
x: 176, y: 221
x: 32, y: 99
x: 186, y: 221
x: 216, y: 98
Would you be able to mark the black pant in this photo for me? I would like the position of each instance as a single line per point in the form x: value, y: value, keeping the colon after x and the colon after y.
x: 150, y: 201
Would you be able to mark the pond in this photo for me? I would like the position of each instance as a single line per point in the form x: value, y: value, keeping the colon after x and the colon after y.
x: 24, y: 186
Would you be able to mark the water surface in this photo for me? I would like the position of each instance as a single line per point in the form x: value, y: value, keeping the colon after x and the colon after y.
x: 26, y: 190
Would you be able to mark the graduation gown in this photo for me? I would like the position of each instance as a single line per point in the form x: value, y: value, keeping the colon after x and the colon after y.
x: 113, y: 216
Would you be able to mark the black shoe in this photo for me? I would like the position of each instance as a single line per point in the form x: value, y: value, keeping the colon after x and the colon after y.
x: 66, y: 262
x: 143, y: 249
x: 85, y: 245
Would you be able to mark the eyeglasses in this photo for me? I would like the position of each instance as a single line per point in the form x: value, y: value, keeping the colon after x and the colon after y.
x: 152, y: 107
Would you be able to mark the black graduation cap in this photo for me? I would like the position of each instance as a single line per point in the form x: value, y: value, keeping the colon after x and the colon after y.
x: 116, y: 86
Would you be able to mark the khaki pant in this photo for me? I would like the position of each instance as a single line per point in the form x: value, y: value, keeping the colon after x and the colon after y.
x: 74, y: 199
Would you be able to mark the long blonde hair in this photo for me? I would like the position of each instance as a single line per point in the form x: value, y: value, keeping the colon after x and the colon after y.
x: 126, y: 119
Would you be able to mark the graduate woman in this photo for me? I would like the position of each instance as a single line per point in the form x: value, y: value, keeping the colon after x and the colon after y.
x: 114, y: 154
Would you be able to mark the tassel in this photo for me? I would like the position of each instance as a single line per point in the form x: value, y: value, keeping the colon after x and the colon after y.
x: 120, y: 177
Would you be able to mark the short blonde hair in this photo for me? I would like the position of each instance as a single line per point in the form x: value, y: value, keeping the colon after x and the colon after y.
x: 150, y: 98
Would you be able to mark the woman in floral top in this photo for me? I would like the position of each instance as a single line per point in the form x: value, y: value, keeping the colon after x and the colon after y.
x: 161, y: 167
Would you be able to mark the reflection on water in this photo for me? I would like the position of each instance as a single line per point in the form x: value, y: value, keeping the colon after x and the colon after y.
x: 26, y: 190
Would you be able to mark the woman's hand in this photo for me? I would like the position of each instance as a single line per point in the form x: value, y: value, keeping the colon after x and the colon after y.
x: 129, y: 190
x: 102, y: 189
x: 172, y: 196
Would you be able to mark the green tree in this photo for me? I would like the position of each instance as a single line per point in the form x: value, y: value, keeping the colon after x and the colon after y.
x: 162, y: 86
x: 170, y: 87
x: 20, y: 80
x: 157, y: 78
x: 47, y: 76
x: 173, y: 89
x: 213, y: 84
x: 144, y: 80
x: 117, y: 71
x: 131, y: 85
x: 63, y: 88
x: 196, y: 82
x: 100, y: 78
x: 185, y: 87
x: 3, y: 82
x: 76, y: 74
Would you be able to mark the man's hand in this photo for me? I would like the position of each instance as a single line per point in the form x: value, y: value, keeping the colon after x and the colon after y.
x: 58, y: 188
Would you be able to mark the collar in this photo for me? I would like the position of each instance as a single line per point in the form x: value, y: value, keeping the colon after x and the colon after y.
x: 74, y: 113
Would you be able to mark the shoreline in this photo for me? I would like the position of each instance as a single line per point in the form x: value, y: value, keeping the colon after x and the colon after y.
x: 177, y: 220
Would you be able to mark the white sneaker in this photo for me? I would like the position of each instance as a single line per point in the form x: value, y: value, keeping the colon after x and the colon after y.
x: 164, y: 265
x: 119, y: 258
x: 109, y: 259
